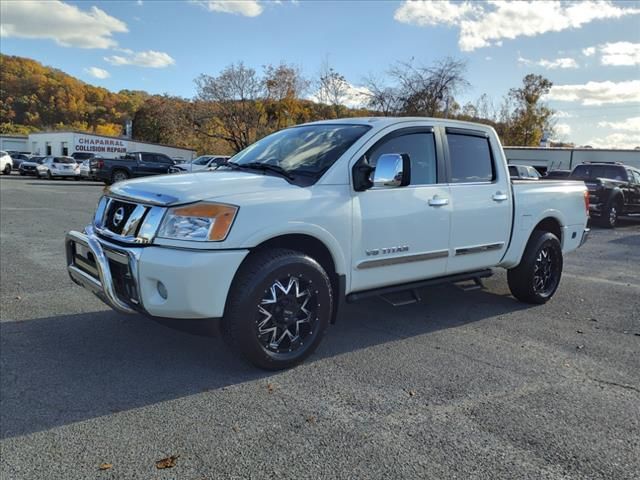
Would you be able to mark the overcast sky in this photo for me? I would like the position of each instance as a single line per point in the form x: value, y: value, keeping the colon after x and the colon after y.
x: 589, y: 50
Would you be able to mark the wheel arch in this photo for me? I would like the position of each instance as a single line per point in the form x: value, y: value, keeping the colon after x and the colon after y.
x: 311, y: 245
x: 549, y: 224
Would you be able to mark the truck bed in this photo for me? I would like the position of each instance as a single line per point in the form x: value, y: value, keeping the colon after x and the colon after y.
x: 537, y: 200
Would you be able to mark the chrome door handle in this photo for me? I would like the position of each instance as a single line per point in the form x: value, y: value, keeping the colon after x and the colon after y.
x: 500, y: 197
x: 438, y: 201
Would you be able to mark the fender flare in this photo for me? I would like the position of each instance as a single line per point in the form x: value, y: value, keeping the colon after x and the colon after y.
x: 301, y: 228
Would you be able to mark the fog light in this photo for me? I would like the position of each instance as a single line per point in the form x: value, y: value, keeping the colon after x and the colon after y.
x: 162, y: 290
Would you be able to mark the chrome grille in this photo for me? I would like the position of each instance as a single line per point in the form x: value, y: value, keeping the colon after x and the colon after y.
x: 126, y: 221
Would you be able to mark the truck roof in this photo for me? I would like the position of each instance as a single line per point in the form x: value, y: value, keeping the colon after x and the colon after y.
x: 381, y: 122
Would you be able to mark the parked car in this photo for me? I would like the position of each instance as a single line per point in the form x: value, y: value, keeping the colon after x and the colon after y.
x: 134, y: 164
x: 29, y: 167
x: 18, y: 158
x: 201, y: 163
x: 523, y: 172
x: 54, y: 167
x: 557, y: 175
x: 614, y: 190
x: 80, y: 157
x: 269, y: 245
x: 6, y: 164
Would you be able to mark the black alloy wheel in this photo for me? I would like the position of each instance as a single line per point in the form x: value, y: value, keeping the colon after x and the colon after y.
x: 537, y: 277
x: 279, y: 307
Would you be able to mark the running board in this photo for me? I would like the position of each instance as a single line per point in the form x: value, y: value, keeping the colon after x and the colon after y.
x: 410, y: 289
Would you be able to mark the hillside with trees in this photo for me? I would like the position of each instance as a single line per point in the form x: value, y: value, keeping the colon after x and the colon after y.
x: 241, y: 104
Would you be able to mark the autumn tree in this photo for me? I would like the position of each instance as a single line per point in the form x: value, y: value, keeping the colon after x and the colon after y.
x: 530, y: 117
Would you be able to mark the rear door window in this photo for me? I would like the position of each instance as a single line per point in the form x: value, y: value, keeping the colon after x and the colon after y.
x: 471, y: 159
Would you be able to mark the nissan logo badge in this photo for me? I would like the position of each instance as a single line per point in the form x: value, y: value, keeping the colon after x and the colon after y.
x: 118, y: 217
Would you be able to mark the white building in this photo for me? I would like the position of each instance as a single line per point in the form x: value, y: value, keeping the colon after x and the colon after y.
x: 17, y: 143
x: 567, y: 158
x: 68, y: 142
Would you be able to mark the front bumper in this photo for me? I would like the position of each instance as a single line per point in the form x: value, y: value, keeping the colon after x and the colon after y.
x: 127, y: 278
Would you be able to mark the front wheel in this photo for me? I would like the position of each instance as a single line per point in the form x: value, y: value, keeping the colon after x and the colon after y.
x: 536, y: 278
x: 279, y: 307
x: 49, y: 176
x: 7, y: 169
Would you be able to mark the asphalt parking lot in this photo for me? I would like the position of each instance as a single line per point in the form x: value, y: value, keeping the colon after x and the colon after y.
x: 463, y: 385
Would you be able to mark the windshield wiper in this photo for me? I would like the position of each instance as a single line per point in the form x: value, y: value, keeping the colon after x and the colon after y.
x: 265, y: 167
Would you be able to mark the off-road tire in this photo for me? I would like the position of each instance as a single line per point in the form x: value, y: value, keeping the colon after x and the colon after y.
x: 524, y: 279
x: 253, y: 282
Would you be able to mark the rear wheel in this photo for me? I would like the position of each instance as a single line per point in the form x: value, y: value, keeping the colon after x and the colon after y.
x: 7, y: 169
x: 279, y: 307
x: 119, y: 176
x: 536, y: 278
x: 49, y: 176
x: 609, y: 218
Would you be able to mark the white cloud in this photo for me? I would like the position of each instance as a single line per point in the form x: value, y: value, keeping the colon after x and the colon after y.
x: 97, y: 72
x: 589, y: 51
x: 148, y: 59
x: 628, y: 125
x: 617, y: 140
x: 427, y: 13
x: 597, y: 93
x: 562, y: 129
x: 247, y: 8
x: 483, y: 25
x: 561, y: 114
x: 620, y: 53
x: 564, y: 62
x: 65, y: 24
x: 139, y: 3
x: 353, y: 96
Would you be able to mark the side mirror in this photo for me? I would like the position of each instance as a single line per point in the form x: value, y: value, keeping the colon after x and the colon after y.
x: 392, y: 170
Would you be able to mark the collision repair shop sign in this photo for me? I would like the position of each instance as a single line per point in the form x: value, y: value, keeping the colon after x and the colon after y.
x: 99, y: 144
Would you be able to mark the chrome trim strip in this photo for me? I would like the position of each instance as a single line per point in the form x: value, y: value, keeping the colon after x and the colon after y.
x: 418, y: 257
x: 129, y: 193
x: 101, y: 211
x: 102, y: 287
x: 131, y: 227
x: 151, y: 224
x: 479, y: 248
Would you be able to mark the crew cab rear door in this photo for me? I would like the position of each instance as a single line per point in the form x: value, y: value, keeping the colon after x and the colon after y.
x: 401, y: 234
x: 481, y: 202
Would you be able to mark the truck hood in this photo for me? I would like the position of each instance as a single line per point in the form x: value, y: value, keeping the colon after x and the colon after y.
x: 177, y: 189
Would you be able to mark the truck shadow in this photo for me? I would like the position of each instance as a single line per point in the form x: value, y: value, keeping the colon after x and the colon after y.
x: 70, y: 368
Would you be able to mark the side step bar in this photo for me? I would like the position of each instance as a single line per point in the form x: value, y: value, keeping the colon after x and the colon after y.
x: 410, y: 289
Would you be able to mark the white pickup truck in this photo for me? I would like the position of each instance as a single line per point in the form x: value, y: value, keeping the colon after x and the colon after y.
x: 270, y: 244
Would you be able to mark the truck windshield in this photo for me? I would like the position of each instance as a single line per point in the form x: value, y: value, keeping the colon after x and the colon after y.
x: 307, y: 150
x: 591, y: 172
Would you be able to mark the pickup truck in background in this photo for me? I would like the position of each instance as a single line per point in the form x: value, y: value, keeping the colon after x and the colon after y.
x: 131, y: 165
x: 199, y: 164
x: 268, y: 246
x: 614, y: 190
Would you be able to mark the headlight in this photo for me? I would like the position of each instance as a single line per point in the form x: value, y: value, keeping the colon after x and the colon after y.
x: 200, y: 222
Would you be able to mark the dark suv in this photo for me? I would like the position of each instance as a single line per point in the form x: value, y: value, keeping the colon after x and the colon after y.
x: 614, y: 190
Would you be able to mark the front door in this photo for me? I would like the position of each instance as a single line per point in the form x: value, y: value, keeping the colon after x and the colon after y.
x: 481, y: 202
x: 401, y: 234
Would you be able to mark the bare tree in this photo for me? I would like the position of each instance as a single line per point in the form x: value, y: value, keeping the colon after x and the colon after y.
x: 229, y: 105
x: 332, y: 86
x: 284, y: 82
x: 430, y: 90
x: 380, y: 97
